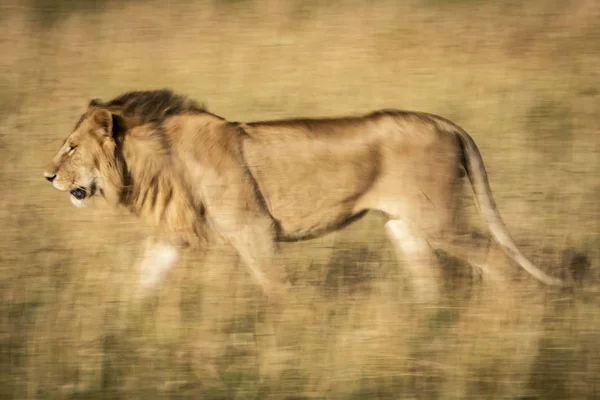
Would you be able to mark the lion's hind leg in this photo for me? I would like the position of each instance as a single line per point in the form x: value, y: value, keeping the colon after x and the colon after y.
x: 476, y: 250
x: 419, y: 260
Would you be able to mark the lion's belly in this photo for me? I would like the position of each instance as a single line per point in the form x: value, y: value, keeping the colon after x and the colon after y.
x: 315, y: 225
x: 310, y: 187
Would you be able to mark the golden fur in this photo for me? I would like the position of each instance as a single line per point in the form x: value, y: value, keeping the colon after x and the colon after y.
x: 191, y: 173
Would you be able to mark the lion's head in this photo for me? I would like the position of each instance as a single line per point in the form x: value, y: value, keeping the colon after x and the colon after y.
x: 88, y: 162
x: 86, y: 158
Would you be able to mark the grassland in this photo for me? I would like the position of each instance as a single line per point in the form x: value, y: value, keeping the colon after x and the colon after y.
x: 523, y: 79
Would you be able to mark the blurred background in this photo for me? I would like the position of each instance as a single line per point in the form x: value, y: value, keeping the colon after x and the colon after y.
x: 521, y: 77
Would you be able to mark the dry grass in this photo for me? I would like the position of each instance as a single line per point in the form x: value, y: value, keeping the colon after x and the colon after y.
x: 523, y: 79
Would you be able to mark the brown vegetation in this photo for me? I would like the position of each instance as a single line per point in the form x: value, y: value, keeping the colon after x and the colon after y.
x: 521, y: 78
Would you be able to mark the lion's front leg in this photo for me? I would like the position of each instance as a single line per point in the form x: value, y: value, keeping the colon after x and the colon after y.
x: 236, y: 213
x: 254, y: 240
x: 157, y: 259
x: 256, y: 246
x: 253, y: 237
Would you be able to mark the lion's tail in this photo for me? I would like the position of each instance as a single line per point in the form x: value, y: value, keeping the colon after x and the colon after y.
x: 473, y: 163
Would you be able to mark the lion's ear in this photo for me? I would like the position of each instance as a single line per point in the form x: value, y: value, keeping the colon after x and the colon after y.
x: 103, y: 121
x: 94, y: 103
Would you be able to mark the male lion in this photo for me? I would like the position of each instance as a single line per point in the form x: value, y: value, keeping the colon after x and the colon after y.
x: 190, y: 173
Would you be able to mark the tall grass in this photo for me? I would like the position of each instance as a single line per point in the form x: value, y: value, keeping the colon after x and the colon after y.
x: 522, y: 78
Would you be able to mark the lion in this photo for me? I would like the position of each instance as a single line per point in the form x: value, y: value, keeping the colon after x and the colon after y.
x: 192, y: 174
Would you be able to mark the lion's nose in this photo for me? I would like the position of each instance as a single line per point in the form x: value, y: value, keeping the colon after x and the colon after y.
x: 49, y: 177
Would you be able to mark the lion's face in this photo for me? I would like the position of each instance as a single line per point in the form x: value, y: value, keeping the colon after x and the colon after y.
x: 76, y: 166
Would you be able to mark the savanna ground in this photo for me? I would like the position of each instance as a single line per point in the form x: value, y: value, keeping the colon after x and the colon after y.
x: 521, y: 77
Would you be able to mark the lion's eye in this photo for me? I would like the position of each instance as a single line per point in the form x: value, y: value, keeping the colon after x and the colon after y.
x: 70, y: 150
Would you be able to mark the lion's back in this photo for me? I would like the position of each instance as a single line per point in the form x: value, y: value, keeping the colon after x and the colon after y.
x: 313, y: 172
